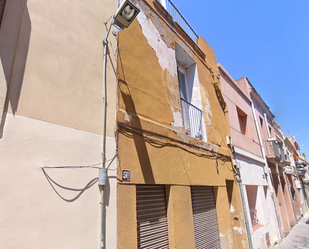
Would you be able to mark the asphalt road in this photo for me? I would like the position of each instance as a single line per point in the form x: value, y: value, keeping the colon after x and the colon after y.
x: 298, y: 238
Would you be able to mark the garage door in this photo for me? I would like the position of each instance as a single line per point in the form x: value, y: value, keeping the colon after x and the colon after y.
x: 206, y: 229
x: 152, y: 230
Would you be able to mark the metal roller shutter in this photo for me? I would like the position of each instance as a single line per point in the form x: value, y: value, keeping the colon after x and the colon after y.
x: 152, y: 229
x: 205, y: 218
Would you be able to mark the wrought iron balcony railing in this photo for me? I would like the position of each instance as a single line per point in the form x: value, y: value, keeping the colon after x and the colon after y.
x: 272, y: 149
x: 179, y: 18
x: 192, y: 119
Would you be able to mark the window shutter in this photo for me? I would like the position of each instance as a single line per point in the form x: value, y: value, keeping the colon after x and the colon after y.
x: 205, y: 218
x: 152, y: 229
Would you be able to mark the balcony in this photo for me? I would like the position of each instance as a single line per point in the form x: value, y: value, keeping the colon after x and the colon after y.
x: 287, y: 162
x: 192, y: 119
x: 179, y: 18
x: 289, y: 170
x: 274, y: 152
x: 301, y: 172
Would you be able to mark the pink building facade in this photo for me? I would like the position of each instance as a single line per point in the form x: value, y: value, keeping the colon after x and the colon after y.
x: 260, y: 213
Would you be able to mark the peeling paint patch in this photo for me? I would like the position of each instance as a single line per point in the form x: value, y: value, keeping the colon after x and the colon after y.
x: 232, y: 209
x: 208, y: 110
x: 177, y: 120
x: 223, y: 241
x: 166, y: 55
x: 238, y: 229
x: 127, y: 117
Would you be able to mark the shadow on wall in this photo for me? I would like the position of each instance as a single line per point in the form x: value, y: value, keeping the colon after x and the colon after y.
x: 80, y: 191
x: 139, y: 141
x: 14, y: 44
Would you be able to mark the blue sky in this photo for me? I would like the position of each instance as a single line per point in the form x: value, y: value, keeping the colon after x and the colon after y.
x: 267, y: 41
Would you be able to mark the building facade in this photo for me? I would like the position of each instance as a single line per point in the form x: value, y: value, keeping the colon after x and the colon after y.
x: 273, y: 144
x: 258, y: 205
x: 172, y: 130
x: 300, y: 176
x: 148, y: 107
x: 51, y: 115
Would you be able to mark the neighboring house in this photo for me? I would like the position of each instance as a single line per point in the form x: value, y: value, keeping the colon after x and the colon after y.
x: 301, y: 181
x: 274, y: 153
x: 292, y: 176
x: 51, y: 107
x: 173, y: 185
x: 170, y: 180
x: 172, y: 130
x: 257, y: 201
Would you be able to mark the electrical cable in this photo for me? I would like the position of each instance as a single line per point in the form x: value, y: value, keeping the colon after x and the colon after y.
x: 77, y: 166
x: 142, y: 133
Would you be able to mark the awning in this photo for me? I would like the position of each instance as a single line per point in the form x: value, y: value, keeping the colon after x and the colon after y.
x: 300, y: 159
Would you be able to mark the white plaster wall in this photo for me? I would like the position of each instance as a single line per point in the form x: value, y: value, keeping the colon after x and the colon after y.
x: 166, y: 55
x: 274, y: 234
x: 37, y: 213
x: 263, y: 206
x: 251, y: 171
x: 256, y: 237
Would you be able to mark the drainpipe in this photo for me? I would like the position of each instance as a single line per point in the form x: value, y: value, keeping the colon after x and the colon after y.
x: 242, y: 195
x: 103, y: 171
x: 266, y: 168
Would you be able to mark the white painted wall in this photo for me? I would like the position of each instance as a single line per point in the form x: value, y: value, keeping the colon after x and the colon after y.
x: 52, y: 62
x: 251, y: 171
x: 64, y: 211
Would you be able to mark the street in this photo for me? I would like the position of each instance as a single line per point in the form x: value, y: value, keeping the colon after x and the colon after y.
x: 298, y: 237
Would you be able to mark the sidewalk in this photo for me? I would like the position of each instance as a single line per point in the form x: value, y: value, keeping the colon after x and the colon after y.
x: 298, y: 236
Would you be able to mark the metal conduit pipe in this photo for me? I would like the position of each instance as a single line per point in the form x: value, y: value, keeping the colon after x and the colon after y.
x: 123, y: 17
x: 266, y: 169
x: 246, y: 214
x: 103, y: 171
x: 242, y: 195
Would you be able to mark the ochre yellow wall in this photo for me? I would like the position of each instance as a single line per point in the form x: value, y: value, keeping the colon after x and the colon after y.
x: 126, y: 209
x: 180, y: 217
x: 148, y: 97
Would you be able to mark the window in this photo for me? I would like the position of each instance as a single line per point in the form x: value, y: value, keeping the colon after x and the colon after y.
x: 190, y: 96
x: 261, y: 122
x: 269, y: 129
x: 182, y: 84
x: 256, y: 202
x: 242, y: 117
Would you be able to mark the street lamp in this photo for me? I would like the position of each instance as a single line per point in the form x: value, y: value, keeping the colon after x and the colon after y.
x: 124, y: 16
